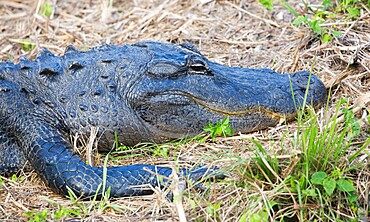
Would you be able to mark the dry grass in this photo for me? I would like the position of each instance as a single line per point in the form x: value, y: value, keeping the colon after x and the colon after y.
x: 240, y: 33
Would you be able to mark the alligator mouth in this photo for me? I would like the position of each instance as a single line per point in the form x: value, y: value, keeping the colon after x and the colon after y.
x: 180, y: 98
x: 245, y: 112
x: 185, y: 113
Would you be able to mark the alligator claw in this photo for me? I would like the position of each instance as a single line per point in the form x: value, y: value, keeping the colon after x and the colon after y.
x: 195, y: 175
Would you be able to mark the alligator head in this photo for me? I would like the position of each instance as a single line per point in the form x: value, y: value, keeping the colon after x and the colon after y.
x: 182, y: 91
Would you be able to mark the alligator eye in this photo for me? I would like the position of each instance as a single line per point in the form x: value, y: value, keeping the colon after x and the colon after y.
x: 166, y: 69
x: 199, y: 67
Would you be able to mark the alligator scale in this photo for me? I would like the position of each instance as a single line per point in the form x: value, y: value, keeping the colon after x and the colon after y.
x: 145, y: 92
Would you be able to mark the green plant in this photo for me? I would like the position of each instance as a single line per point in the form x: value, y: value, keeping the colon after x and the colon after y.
x: 315, y: 23
x: 60, y: 213
x: 268, y: 4
x: 267, y: 165
x: 36, y: 216
x: 220, y: 129
x: 318, y: 18
x: 27, y: 44
x: 161, y: 150
x: 321, y: 176
x: 212, y: 210
x: 46, y: 9
x: 64, y: 212
x: 326, y: 160
x: 333, y: 182
x: 325, y: 145
x: 17, y: 179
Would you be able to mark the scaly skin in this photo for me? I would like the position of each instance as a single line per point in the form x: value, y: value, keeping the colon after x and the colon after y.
x: 146, y: 92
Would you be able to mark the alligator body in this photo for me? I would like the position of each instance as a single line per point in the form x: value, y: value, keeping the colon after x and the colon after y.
x: 145, y: 92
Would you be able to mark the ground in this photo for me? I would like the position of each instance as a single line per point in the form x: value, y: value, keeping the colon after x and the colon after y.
x: 238, y: 33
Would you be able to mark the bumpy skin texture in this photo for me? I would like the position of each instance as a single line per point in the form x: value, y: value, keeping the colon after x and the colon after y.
x: 146, y: 92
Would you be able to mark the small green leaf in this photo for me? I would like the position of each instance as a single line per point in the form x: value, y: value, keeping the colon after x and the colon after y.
x: 27, y: 44
x: 299, y: 20
x: 345, y: 185
x: 353, y: 12
x: 302, y: 182
x: 329, y: 185
x: 268, y: 4
x: 318, y: 177
x: 352, y: 197
x: 326, y: 4
x: 243, y: 218
x: 309, y: 192
x: 46, y: 9
x: 14, y: 178
x: 326, y: 38
x: 220, y: 129
x: 315, y: 25
x: 259, y: 216
x: 225, y: 121
x: 343, y: 100
x: 336, y: 33
x: 271, y: 204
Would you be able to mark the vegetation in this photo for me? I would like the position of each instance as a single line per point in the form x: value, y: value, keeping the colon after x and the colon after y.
x: 220, y: 129
x: 320, y: 176
x: 322, y: 19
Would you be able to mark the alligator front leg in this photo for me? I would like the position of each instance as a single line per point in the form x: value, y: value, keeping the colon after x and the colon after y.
x: 53, y: 159
x: 55, y: 162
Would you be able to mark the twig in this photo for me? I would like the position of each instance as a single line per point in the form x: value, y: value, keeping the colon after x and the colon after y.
x: 253, y: 15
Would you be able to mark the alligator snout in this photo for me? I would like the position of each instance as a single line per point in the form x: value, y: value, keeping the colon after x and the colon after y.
x: 309, y: 85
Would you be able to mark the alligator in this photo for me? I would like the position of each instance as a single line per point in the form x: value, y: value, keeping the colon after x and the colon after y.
x: 143, y: 92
